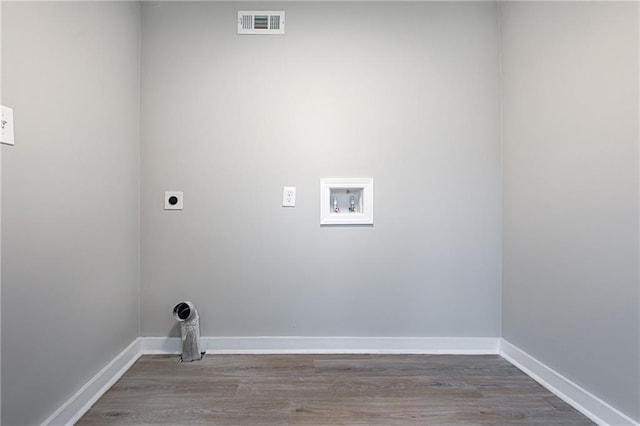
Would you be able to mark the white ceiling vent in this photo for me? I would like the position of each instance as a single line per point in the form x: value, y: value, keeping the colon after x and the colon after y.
x: 260, y: 22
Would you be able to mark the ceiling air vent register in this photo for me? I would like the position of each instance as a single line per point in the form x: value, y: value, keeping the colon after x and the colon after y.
x: 260, y: 22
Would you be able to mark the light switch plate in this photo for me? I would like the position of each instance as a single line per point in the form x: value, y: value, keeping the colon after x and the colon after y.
x: 289, y: 196
x: 173, y: 200
x: 6, y: 125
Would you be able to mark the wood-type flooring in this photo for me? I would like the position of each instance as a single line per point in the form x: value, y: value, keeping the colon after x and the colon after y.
x: 329, y: 390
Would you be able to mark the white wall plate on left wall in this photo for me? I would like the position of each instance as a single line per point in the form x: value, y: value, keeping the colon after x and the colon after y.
x: 6, y: 125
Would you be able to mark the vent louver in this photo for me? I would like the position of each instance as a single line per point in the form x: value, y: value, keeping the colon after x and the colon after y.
x: 260, y: 22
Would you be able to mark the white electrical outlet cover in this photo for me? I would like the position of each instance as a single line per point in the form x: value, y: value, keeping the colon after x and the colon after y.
x: 289, y: 196
x: 173, y: 200
x: 6, y: 125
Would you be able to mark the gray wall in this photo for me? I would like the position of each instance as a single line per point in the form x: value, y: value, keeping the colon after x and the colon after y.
x: 570, y: 277
x: 407, y: 93
x: 1, y: 100
x: 70, y: 199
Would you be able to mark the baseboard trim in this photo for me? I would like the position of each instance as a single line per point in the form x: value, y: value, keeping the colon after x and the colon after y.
x: 579, y: 398
x: 72, y: 410
x: 582, y: 400
x: 329, y: 345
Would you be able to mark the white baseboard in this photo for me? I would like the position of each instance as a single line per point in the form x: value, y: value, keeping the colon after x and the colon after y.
x: 329, y: 345
x: 71, y: 411
x: 582, y: 400
x: 579, y: 398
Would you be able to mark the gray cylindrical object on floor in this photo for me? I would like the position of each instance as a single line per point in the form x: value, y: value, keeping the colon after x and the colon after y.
x: 187, y: 314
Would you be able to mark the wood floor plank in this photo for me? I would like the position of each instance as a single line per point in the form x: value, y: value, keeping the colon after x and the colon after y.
x: 394, y: 411
x: 319, y: 387
x: 329, y: 390
x: 400, y: 367
x: 192, y: 410
x: 132, y: 386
